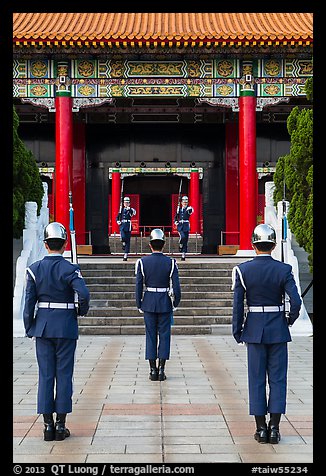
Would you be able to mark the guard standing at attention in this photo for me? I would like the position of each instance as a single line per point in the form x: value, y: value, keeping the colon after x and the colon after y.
x: 124, y: 222
x: 265, y: 329
x: 181, y: 220
x: 50, y: 317
x: 159, y: 274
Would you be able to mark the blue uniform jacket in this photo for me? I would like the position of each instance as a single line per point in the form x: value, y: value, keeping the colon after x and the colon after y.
x: 126, y: 214
x: 54, y: 279
x: 183, y: 214
x: 265, y: 282
x: 154, y: 271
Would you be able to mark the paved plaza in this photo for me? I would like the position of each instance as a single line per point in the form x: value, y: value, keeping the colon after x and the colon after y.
x: 198, y: 415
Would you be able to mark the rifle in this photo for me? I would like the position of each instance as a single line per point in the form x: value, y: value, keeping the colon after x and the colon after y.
x: 72, y: 231
x: 121, y: 200
x: 73, y: 243
x: 284, y: 223
x: 179, y: 198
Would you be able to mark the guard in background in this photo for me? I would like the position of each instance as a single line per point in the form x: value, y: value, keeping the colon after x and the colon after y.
x: 124, y: 222
x: 181, y: 220
x: 159, y: 274
x: 265, y: 330
x: 50, y: 317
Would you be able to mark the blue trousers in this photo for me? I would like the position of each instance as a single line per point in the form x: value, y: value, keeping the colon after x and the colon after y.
x: 126, y: 236
x: 158, y: 335
x: 55, y: 358
x: 267, y: 361
x: 184, y: 236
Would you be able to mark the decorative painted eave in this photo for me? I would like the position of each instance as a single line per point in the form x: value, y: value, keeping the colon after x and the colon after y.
x: 139, y: 30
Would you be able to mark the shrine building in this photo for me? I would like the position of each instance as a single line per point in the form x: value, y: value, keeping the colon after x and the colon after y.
x: 148, y: 99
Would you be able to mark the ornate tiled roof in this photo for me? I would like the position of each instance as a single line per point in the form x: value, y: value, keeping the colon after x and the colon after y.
x: 64, y: 29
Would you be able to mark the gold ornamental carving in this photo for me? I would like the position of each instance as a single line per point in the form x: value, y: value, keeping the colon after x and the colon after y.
x: 225, y: 68
x: 39, y: 68
x: 272, y: 68
x: 85, y: 68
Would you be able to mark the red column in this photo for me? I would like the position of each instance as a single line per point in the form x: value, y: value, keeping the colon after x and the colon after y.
x: 115, y: 199
x: 231, y: 184
x: 194, y: 201
x: 247, y: 167
x: 63, y: 157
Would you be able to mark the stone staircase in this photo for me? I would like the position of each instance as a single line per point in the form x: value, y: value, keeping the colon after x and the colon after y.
x: 205, y: 307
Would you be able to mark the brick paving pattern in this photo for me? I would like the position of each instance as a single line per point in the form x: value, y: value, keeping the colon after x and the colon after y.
x: 198, y: 415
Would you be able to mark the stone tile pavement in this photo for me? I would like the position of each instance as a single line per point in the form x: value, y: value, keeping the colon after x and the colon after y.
x: 198, y: 415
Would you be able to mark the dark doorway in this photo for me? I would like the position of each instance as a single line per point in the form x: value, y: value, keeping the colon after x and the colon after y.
x: 155, y: 198
x: 155, y: 210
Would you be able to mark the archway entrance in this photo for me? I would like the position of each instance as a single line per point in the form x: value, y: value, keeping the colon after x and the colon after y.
x: 155, y: 192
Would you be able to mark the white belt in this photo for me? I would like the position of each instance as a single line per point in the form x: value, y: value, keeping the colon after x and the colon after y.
x: 125, y: 221
x: 57, y: 305
x: 266, y: 308
x: 157, y: 290
x: 183, y: 221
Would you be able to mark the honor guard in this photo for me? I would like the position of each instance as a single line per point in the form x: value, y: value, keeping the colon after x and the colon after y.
x: 181, y: 220
x: 50, y: 317
x: 264, y: 327
x: 124, y: 222
x: 157, y: 276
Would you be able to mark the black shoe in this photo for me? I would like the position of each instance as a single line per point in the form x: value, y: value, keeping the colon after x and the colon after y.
x: 274, y: 435
x: 261, y: 435
x: 153, y: 375
x: 161, y: 375
x: 124, y: 259
x: 161, y: 365
x: 183, y: 258
x: 48, y: 431
x: 61, y: 432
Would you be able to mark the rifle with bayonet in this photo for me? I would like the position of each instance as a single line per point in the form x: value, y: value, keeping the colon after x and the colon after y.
x: 121, y: 201
x: 179, y: 201
x: 73, y: 243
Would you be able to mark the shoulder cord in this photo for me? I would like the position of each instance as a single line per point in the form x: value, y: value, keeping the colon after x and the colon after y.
x: 234, y: 271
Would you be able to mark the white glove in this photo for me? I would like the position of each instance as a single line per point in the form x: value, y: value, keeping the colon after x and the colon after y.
x: 119, y: 222
x: 174, y: 308
x: 142, y: 312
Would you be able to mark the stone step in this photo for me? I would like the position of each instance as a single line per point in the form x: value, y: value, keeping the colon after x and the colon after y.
x: 183, y: 272
x: 184, y: 280
x: 140, y: 330
x: 108, y: 265
x: 182, y: 311
x: 139, y: 320
x: 131, y: 287
x: 122, y: 303
x: 130, y: 296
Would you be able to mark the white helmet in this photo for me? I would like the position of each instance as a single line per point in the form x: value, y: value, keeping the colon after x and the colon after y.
x: 184, y: 198
x: 157, y: 234
x: 126, y: 199
x: 263, y: 233
x: 55, y: 230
